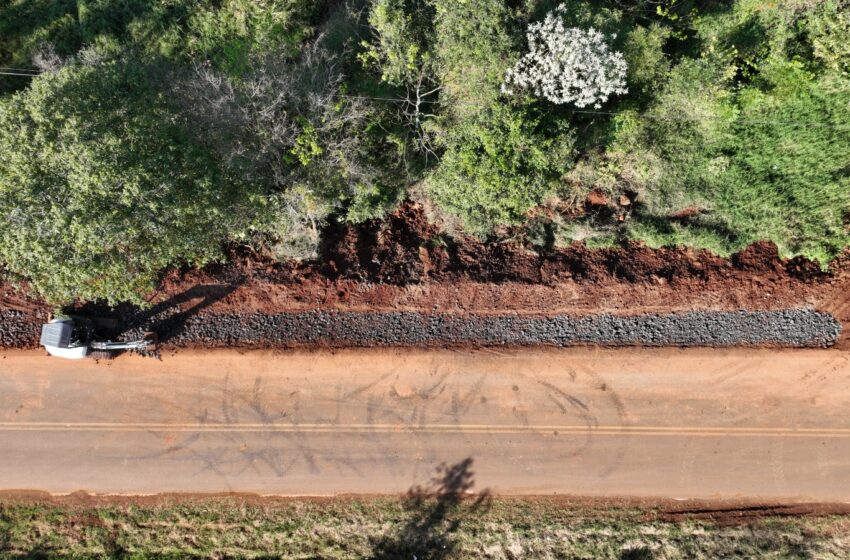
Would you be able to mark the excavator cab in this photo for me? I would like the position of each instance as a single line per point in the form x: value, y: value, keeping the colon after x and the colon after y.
x: 61, y: 337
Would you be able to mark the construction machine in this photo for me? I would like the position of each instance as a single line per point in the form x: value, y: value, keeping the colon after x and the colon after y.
x: 73, y: 338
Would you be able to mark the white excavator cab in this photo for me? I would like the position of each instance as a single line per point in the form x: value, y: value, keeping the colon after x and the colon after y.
x: 59, y: 339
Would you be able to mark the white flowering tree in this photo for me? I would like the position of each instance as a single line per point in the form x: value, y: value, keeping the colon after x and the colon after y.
x: 568, y: 64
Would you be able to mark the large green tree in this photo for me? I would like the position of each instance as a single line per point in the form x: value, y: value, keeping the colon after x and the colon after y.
x: 101, y: 187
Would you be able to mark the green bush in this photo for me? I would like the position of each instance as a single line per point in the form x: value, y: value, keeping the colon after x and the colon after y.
x: 828, y: 27
x: 766, y: 161
x: 400, y: 49
x: 473, y: 47
x: 225, y: 31
x: 101, y: 187
x: 498, y: 165
x: 644, y: 53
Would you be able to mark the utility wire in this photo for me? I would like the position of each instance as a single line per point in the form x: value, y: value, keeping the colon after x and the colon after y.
x: 32, y: 72
x: 19, y: 71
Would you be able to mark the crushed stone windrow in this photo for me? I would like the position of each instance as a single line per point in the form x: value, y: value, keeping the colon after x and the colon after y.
x: 790, y: 328
x: 18, y: 329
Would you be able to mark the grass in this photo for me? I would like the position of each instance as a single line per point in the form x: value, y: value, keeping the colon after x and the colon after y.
x: 416, y: 526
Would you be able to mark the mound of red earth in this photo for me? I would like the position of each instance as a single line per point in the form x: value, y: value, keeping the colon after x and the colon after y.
x: 403, y: 264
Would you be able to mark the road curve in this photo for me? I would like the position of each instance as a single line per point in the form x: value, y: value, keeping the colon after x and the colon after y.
x: 696, y: 423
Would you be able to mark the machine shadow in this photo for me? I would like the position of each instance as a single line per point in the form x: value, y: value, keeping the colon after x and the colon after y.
x: 167, y: 324
x: 435, y: 514
x: 166, y: 319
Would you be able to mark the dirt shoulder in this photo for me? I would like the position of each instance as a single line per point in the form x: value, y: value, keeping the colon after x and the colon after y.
x: 729, y: 512
x: 416, y: 525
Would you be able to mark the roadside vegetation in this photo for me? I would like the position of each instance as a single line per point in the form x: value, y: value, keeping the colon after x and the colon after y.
x: 423, y: 527
x: 139, y: 135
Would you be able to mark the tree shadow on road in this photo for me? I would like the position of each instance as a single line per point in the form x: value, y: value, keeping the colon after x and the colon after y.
x: 436, y: 512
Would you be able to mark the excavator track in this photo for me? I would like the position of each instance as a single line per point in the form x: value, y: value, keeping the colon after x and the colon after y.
x: 101, y: 354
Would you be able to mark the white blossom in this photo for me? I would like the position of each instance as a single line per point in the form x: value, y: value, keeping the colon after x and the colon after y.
x: 568, y: 64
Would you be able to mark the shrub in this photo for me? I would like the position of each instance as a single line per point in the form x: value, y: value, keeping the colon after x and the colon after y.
x: 402, y: 31
x: 224, y: 31
x: 286, y: 125
x: 648, y: 66
x: 828, y: 27
x: 473, y: 47
x: 101, y: 187
x: 497, y: 166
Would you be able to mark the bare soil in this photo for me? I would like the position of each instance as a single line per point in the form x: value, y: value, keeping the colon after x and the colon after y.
x: 404, y: 264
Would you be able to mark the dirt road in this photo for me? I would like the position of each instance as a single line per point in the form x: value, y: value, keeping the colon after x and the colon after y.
x: 672, y: 423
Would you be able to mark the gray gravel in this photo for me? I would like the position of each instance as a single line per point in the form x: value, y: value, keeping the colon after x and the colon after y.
x: 18, y: 330
x: 793, y: 328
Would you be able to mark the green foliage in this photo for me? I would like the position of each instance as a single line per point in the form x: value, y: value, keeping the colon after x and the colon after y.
x: 402, y: 29
x: 224, y: 31
x: 788, y: 177
x: 644, y: 53
x: 735, y: 128
x: 228, y: 32
x: 498, y: 165
x: 389, y: 527
x: 307, y: 144
x: 766, y: 161
x: 101, y: 188
x: 298, y: 217
x: 463, y: 46
x: 828, y: 27
x: 473, y: 48
x: 744, y: 142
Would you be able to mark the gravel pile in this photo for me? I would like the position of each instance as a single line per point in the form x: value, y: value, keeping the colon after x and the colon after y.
x: 18, y: 330
x: 793, y: 327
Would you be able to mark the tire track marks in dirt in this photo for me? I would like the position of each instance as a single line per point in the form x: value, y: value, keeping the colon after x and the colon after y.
x: 419, y: 407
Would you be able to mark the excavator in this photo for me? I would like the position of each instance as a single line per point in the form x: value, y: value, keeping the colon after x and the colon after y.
x: 74, y: 338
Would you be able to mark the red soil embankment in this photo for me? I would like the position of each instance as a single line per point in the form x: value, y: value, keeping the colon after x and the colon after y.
x: 404, y: 264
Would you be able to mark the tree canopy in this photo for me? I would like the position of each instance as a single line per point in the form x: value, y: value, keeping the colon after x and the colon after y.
x: 139, y: 135
x: 101, y: 186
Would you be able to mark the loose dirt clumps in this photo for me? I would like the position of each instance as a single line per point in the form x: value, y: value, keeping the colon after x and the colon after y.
x: 20, y: 318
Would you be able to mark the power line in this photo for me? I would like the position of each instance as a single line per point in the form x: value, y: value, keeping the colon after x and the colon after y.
x: 32, y: 72
x: 18, y: 74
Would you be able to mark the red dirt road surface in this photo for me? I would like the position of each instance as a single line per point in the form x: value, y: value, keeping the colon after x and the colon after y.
x: 700, y: 423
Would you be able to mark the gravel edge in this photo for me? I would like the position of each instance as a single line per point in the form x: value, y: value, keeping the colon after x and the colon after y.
x: 798, y: 328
